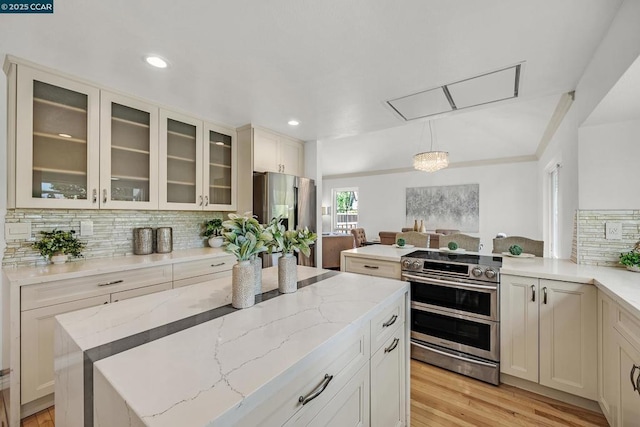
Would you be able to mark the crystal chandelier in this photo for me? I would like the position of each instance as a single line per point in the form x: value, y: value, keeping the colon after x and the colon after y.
x: 431, y: 161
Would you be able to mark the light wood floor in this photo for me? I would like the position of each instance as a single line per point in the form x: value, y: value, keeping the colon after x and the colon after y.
x: 443, y: 399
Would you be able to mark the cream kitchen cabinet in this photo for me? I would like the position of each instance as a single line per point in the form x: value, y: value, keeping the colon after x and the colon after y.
x: 607, y: 367
x: 628, y: 382
x: 370, y: 266
x: 192, y: 272
x: 198, y: 164
x: 388, y: 366
x: 273, y: 152
x: 548, y: 333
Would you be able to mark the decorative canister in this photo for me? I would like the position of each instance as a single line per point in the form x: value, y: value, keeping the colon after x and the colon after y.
x: 143, y: 241
x: 164, y: 240
x: 415, y: 225
x: 257, y: 274
x: 242, y: 285
x: 287, y: 274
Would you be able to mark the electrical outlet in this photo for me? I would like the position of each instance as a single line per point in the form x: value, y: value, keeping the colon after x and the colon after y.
x: 17, y: 231
x: 86, y: 228
x: 613, y: 231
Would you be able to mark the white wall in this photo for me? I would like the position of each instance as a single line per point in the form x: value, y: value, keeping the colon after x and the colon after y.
x: 508, y: 198
x: 609, y: 156
x: 3, y: 180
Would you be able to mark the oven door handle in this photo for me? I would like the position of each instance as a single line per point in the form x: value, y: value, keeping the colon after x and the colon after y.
x: 464, y: 359
x: 430, y: 281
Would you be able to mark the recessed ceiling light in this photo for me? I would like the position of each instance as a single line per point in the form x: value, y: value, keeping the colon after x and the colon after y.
x: 293, y: 123
x: 156, y: 61
x: 64, y: 135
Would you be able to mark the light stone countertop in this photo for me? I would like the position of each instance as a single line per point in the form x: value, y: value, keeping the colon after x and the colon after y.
x: 218, y: 369
x: 621, y: 285
x: 46, y: 273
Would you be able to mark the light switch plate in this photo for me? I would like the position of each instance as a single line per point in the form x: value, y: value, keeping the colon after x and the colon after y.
x: 17, y: 230
x: 86, y: 228
x: 613, y: 231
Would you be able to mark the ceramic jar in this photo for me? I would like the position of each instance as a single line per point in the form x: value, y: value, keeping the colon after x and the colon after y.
x: 216, y: 241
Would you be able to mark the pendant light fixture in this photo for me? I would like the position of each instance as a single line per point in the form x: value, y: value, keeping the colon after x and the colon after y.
x: 430, y: 161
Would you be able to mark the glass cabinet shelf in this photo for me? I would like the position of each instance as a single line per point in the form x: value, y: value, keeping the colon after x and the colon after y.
x: 181, y: 159
x: 60, y: 105
x: 132, y: 150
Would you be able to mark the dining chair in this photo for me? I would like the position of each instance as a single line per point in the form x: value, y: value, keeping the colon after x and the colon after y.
x: 529, y: 246
x: 468, y: 243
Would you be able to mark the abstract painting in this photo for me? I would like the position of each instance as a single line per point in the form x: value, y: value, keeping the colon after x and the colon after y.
x: 448, y: 207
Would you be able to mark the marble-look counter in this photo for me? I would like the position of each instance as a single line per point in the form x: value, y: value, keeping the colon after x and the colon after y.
x: 46, y: 273
x: 184, y: 358
x: 621, y: 285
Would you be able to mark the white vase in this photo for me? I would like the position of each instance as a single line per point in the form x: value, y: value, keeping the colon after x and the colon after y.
x: 242, y: 284
x: 287, y: 274
x: 257, y: 275
x: 216, y: 241
x: 59, y: 259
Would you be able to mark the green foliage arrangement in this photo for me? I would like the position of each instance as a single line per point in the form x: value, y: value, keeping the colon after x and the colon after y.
x: 244, y: 236
x: 213, y: 227
x: 58, y: 242
x: 630, y: 259
x: 289, y: 241
x: 452, y: 246
x: 401, y: 242
x: 515, y: 250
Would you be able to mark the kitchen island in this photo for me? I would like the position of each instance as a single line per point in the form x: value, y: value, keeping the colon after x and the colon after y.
x: 185, y: 357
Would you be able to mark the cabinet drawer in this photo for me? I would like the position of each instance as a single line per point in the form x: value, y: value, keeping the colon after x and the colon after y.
x: 60, y: 291
x: 628, y: 326
x: 384, y: 325
x: 138, y: 292
x: 373, y: 267
x: 200, y: 279
x: 342, y: 361
x: 186, y: 270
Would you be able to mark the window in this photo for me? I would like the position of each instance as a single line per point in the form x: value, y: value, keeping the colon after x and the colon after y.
x: 345, y: 214
x: 553, y: 214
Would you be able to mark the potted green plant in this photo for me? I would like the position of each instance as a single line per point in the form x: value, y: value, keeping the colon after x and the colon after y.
x: 631, y: 259
x: 244, y: 237
x: 288, y: 242
x: 58, y: 245
x: 213, y: 232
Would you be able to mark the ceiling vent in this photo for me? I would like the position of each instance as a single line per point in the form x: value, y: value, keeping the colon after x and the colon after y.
x: 484, y: 89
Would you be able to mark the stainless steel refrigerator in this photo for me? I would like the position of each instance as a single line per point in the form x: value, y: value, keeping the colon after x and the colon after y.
x: 292, y: 197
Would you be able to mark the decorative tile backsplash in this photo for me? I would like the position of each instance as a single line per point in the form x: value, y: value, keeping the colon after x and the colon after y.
x: 112, y: 230
x: 593, y: 247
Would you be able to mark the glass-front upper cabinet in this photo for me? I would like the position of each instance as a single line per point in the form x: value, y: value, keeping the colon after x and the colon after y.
x: 180, y: 162
x: 57, y: 142
x: 220, y: 168
x: 128, y: 153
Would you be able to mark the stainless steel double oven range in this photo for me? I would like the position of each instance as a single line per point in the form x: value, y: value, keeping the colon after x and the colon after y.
x: 455, y: 320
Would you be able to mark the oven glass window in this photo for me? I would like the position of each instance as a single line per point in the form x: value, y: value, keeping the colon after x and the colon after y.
x: 460, y: 331
x: 454, y: 298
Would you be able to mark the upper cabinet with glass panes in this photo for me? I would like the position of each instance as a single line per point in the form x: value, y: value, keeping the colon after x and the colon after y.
x: 73, y: 145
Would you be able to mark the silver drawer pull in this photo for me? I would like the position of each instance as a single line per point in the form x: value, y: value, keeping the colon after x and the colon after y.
x: 115, y: 282
x: 218, y: 265
x: 393, y: 345
x: 318, y: 390
x: 635, y: 382
x: 533, y: 293
x: 373, y: 267
x: 390, y: 321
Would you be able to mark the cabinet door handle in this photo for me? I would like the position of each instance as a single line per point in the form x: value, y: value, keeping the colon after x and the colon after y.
x: 635, y: 382
x: 390, y: 321
x: 115, y: 282
x: 104, y: 196
x: 200, y: 203
x: 218, y: 265
x: 533, y: 293
x: 317, y: 391
x: 206, y: 200
x: 544, y: 295
x: 283, y: 168
x: 372, y: 267
x: 393, y: 345
x: 95, y: 196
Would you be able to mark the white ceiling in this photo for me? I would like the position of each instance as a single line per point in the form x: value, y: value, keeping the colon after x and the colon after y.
x: 329, y: 64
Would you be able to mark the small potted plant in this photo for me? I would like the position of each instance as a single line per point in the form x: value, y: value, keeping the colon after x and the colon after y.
x: 58, y: 245
x: 288, y: 242
x: 213, y: 231
x: 631, y: 259
x: 245, y: 238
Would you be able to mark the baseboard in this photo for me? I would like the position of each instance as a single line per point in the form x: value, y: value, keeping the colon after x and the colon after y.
x: 562, y: 396
x: 37, y: 405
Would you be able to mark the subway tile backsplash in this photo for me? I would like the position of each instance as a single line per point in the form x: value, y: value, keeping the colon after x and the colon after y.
x: 112, y: 230
x: 593, y: 247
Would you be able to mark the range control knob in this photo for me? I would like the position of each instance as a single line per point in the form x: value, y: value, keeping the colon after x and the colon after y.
x: 477, y: 272
x: 490, y: 273
x: 416, y: 265
x: 406, y: 263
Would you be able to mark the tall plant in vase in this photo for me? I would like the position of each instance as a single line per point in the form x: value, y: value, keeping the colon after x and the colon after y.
x: 288, y: 242
x: 244, y: 238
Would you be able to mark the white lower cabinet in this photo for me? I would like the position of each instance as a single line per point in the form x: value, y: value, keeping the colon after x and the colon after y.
x: 549, y: 334
x: 388, y: 383
x: 607, y: 368
x: 628, y: 408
